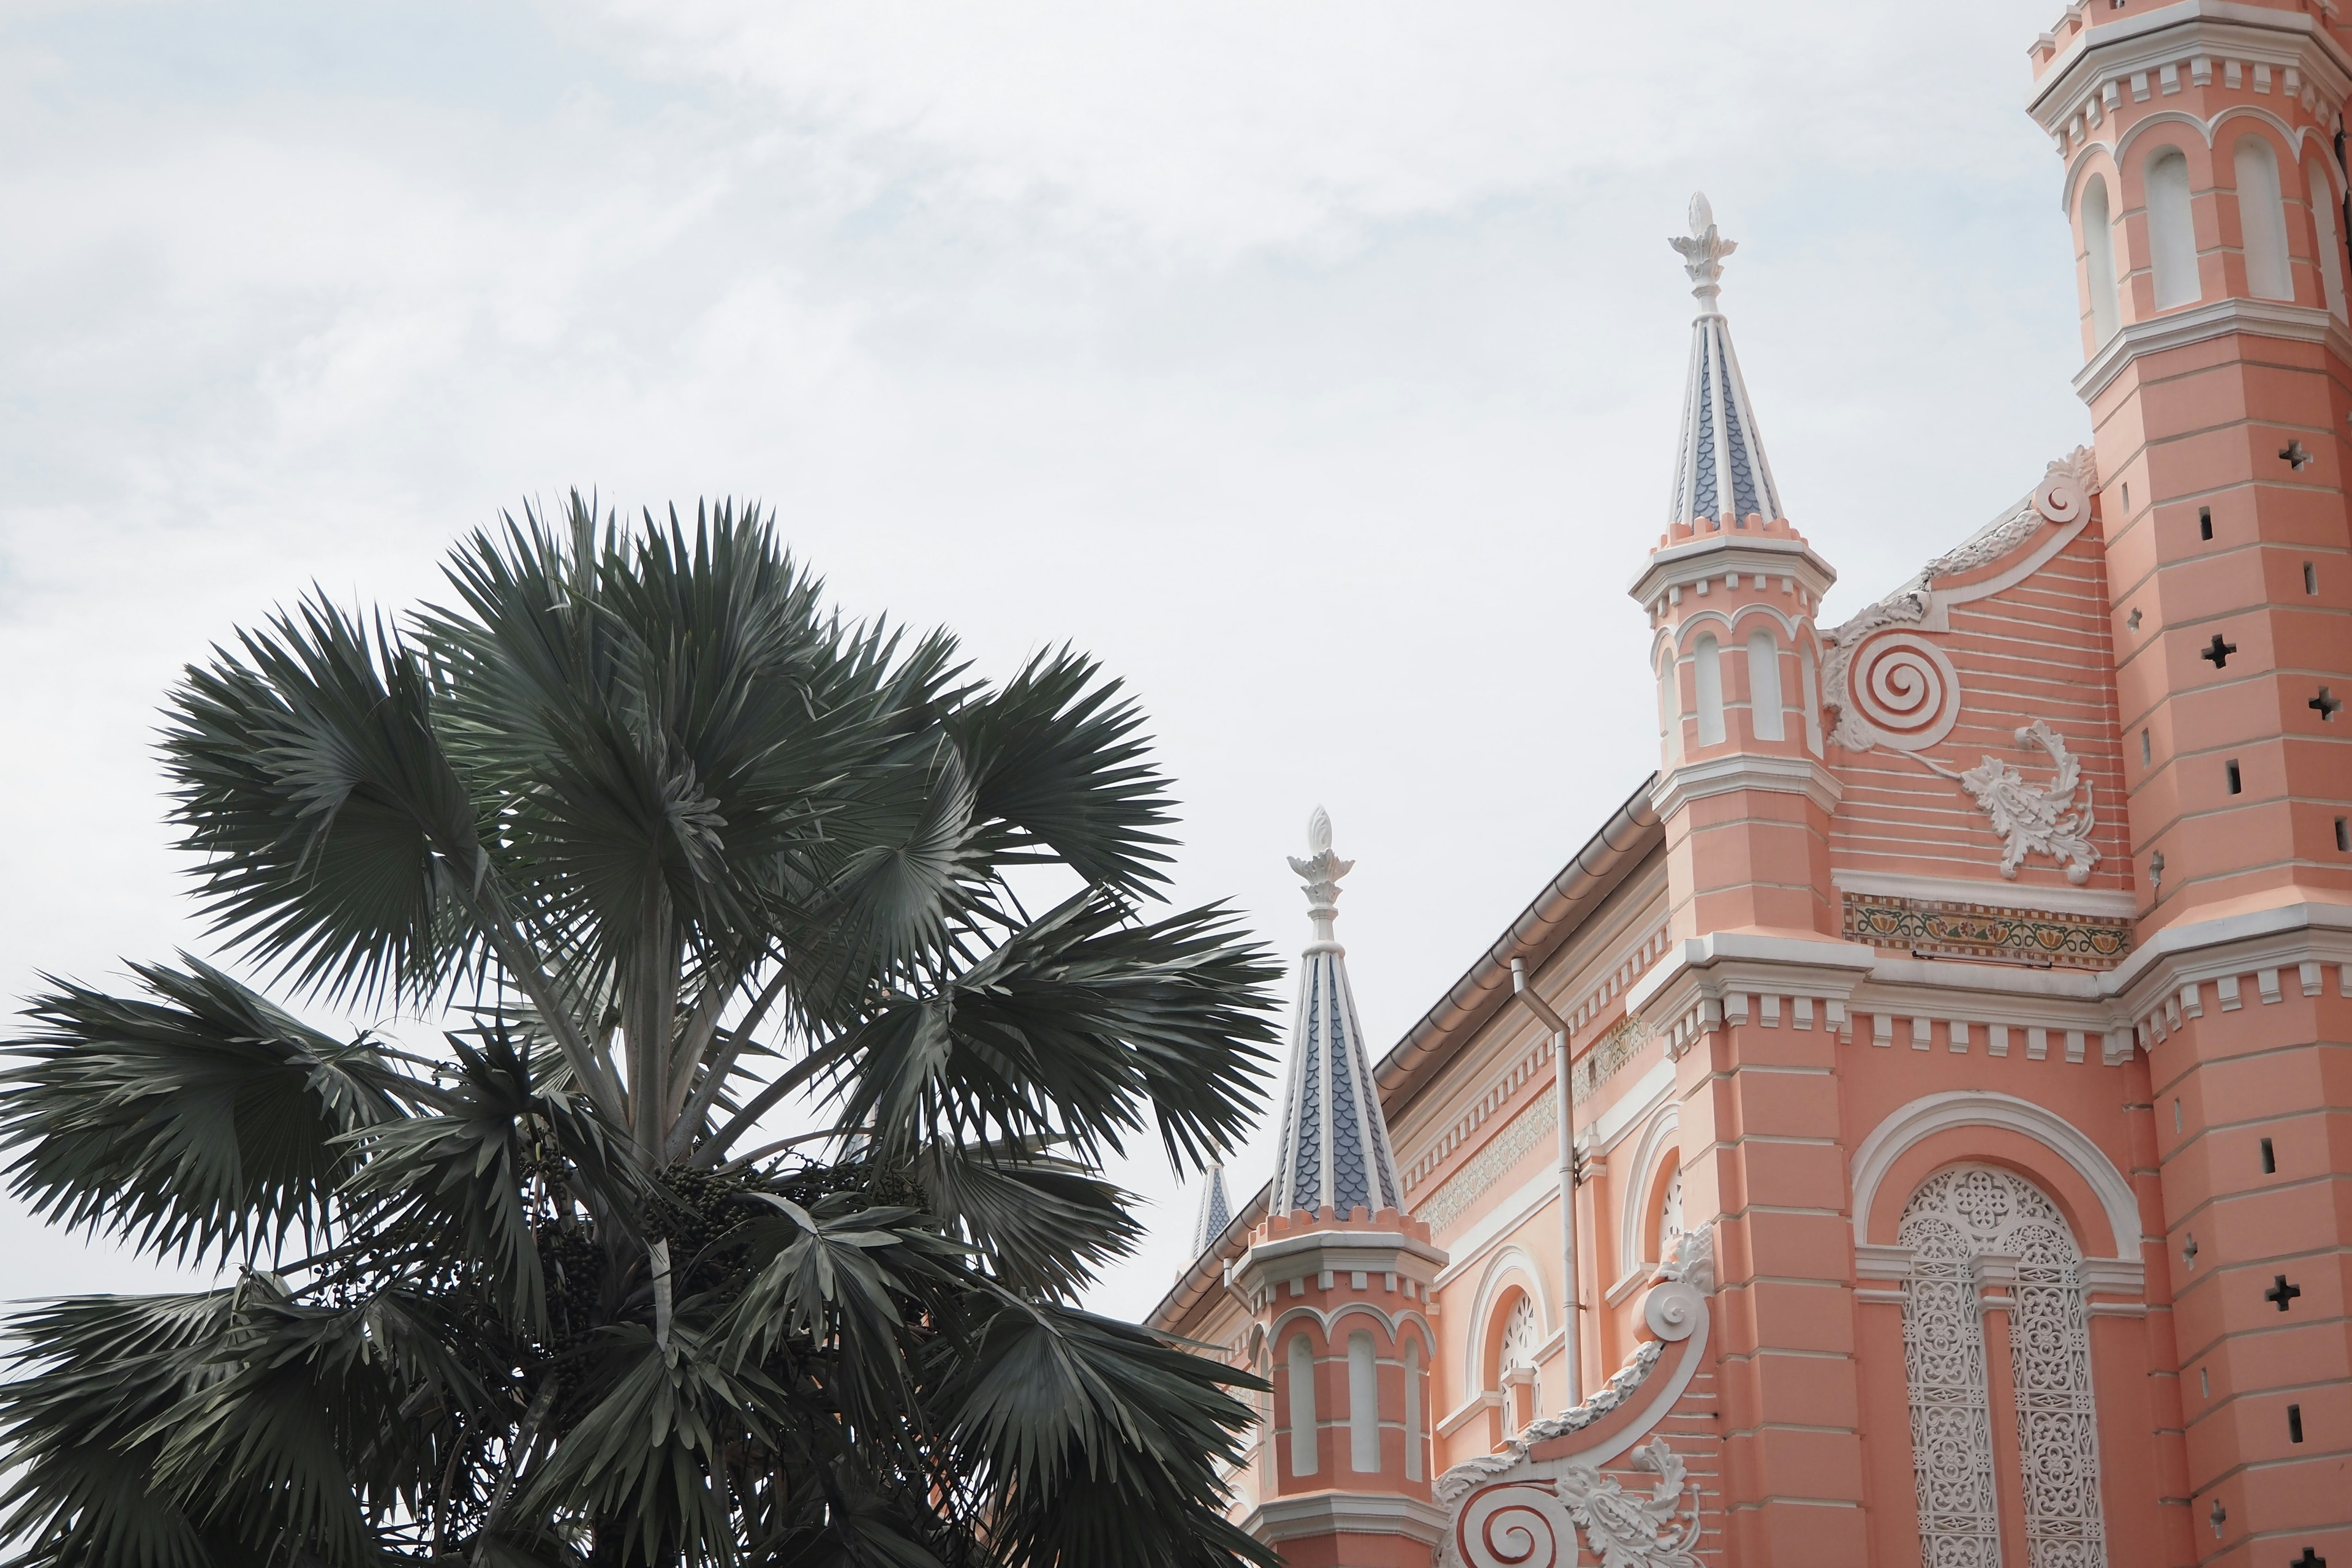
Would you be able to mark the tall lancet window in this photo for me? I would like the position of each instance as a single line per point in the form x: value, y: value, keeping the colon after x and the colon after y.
x: 2099, y: 257
x: 1967, y: 1227
x: 2262, y: 220
x: 1670, y: 708
x: 2171, y: 230
x: 2324, y: 213
x: 1707, y: 678
x: 1764, y: 684
x: 1303, y: 1443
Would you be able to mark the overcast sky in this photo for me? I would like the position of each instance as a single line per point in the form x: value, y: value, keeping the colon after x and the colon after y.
x: 1316, y: 366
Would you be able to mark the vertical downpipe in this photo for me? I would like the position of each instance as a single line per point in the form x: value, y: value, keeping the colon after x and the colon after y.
x: 1571, y: 1326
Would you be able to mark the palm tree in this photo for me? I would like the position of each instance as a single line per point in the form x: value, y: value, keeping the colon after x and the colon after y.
x: 665, y: 851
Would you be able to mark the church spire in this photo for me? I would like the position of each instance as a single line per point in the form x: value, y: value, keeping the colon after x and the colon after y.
x: 1216, y: 1211
x: 1719, y: 467
x: 1335, y: 1155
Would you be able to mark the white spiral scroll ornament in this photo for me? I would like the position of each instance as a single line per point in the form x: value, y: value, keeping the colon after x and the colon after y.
x: 2060, y: 497
x: 1518, y: 1527
x: 1901, y: 691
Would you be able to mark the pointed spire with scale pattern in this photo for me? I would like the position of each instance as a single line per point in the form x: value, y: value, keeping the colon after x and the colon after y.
x: 1216, y: 1211
x: 1335, y: 1155
x: 1719, y: 467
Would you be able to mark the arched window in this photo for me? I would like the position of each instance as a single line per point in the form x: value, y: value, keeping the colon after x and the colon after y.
x: 2099, y: 257
x: 1764, y: 684
x: 1414, y: 1438
x: 1516, y: 1362
x: 1302, y: 1406
x: 2262, y: 220
x: 1964, y: 1225
x: 1812, y: 679
x: 2331, y: 244
x: 1363, y: 1405
x: 1265, y: 1445
x: 2171, y: 231
x: 1670, y: 715
x: 1706, y: 667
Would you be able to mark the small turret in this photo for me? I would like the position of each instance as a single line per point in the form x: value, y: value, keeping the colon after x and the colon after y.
x: 1732, y: 589
x: 1338, y: 1276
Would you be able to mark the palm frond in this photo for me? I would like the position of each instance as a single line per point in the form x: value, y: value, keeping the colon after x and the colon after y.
x: 334, y: 833
x: 197, y: 1118
x: 1072, y: 1027
x: 1056, y: 756
x: 1098, y: 1439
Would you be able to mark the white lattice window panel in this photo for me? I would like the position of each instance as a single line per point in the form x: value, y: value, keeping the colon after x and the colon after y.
x: 1957, y: 1217
x: 1670, y: 1215
x: 1515, y: 1361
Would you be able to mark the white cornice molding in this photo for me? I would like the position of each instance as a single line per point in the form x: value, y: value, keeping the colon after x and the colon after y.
x: 2200, y: 324
x: 1732, y: 960
x: 2195, y: 952
x: 1280, y: 1518
x: 2111, y: 904
x: 1930, y: 1114
x: 1338, y: 1251
x: 2170, y: 34
x: 1733, y: 550
x: 1688, y: 782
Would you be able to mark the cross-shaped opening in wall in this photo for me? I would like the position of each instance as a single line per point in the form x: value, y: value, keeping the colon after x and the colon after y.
x: 2326, y: 706
x: 2188, y: 1252
x: 2294, y: 454
x: 2132, y: 624
x: 2282, y: 1293
x: 2309, y: 1559
x: 2218, y: 652
x: 2217, y: 1516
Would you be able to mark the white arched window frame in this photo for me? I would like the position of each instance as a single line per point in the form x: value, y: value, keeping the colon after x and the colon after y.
x: 2325, y: 214
x: 2099, y: 255
x: 1764, y: 686
x: 1706, y: 680
x: 1659, y: 1150
x: 1303, y: 1444
x: 2261, y: 219
x: 1363, y: 1405
x: 2171, y: 229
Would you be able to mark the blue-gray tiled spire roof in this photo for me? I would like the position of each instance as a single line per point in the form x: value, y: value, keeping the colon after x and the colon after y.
x: 1216, y: 1212
x: 1719, y: 463
x: 1335, y: 1154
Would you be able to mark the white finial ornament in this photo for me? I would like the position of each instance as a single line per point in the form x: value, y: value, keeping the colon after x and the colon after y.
x: 1321, y: 870
x: 1703, y: 250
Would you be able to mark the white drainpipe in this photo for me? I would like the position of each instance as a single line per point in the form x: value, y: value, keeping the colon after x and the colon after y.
x: 1573, y: 1314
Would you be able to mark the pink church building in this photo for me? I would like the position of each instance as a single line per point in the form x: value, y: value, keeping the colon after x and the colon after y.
x: 1917, y: 1127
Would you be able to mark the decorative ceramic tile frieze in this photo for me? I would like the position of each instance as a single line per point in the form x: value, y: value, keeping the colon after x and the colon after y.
x: 1986, y: 930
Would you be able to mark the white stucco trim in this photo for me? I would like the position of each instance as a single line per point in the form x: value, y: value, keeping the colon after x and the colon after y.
x: 1514, y: 1265
x: 1933, y: 1113
x: 1521, y: 1206
x: 1663, y: 1133
x: 1627, y: 1110
x: 2113, y: 903
x: 1280, y: 1518
x: 1744, y: 770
